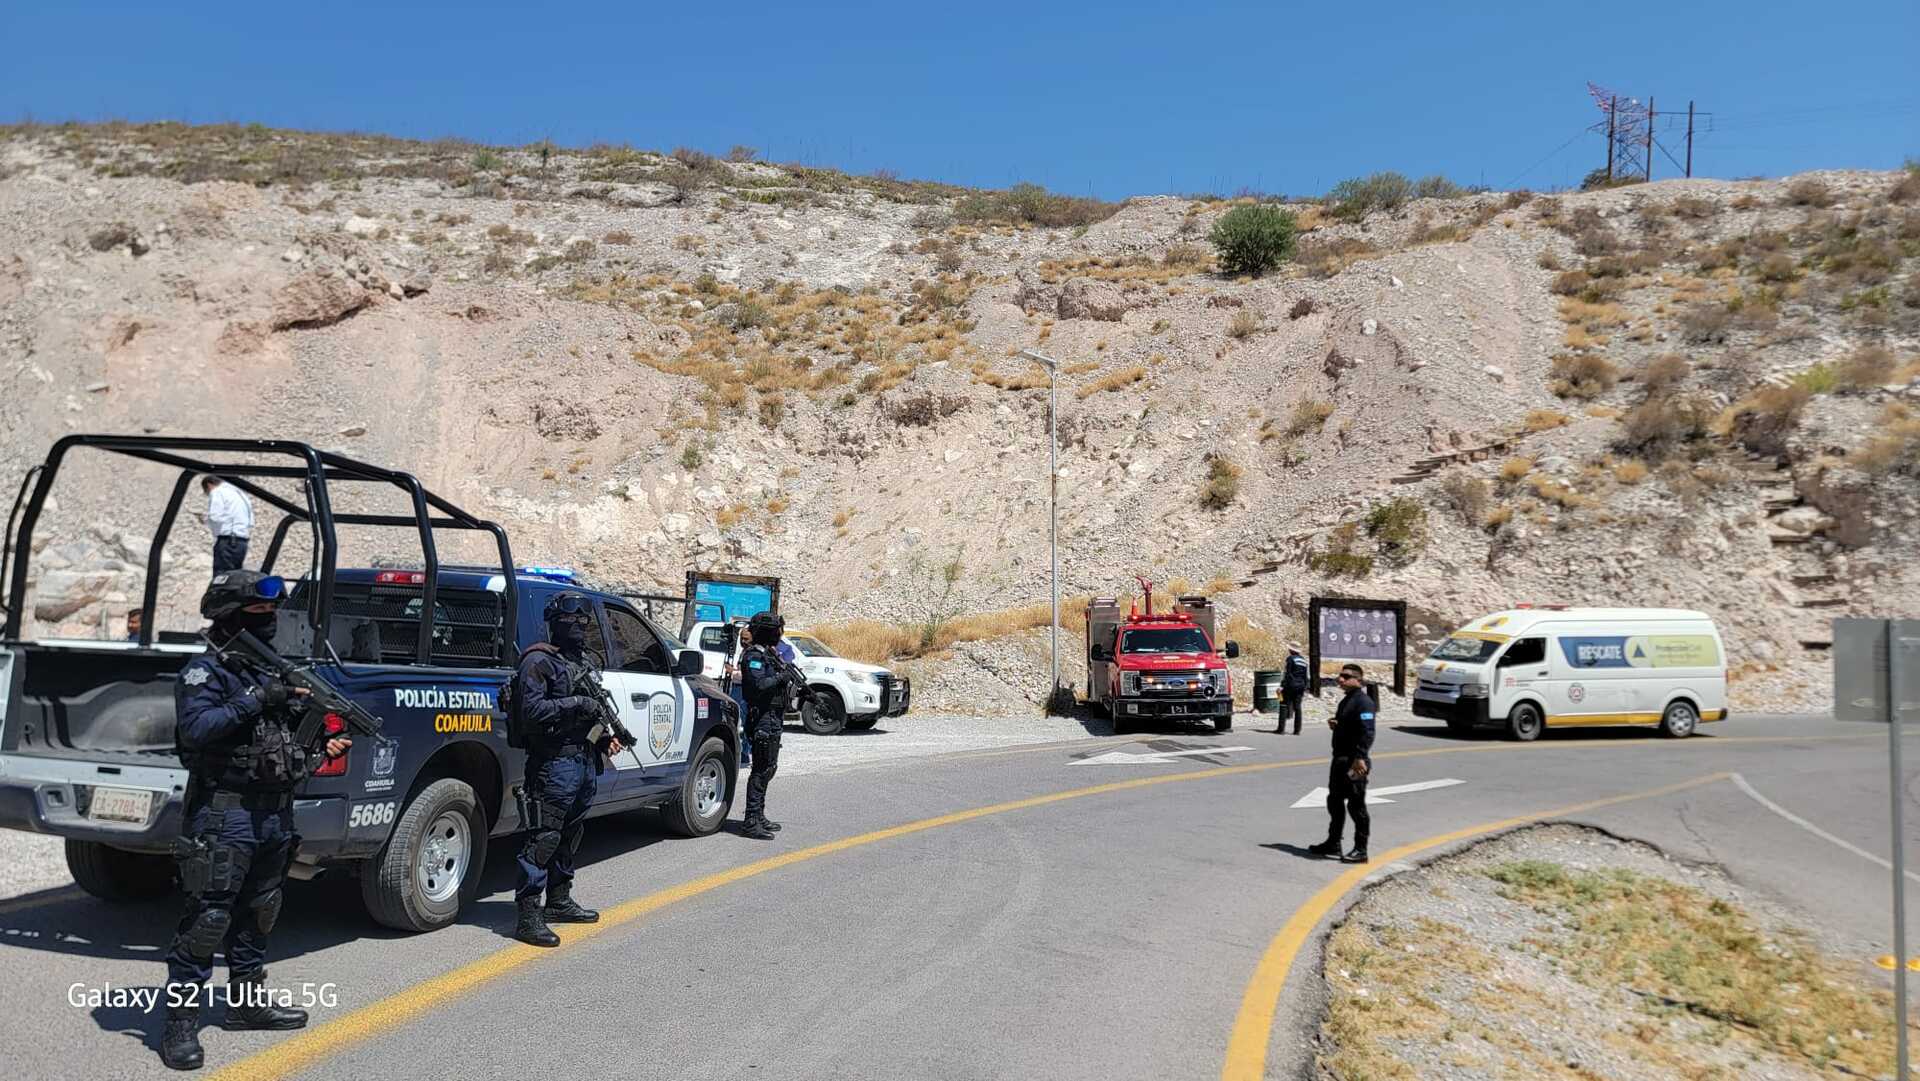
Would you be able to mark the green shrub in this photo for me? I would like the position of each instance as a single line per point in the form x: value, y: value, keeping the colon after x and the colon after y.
x: 690, y: 457
x: 1031, y: 204
x: 1222, y: 485
x: 1338, y: 557
x: 1399, y: 527
x: 1582, y: 375
x: 1253, y: 239
x: 1357, y: 197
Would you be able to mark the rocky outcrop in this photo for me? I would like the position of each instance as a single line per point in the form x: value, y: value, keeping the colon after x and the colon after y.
x: 314, y: 300
x: 1104, y: 301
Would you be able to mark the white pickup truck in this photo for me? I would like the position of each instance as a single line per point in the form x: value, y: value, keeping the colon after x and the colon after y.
x: 853, y: 694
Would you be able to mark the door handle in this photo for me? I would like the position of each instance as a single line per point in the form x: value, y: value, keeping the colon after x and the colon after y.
x: 637, y: 700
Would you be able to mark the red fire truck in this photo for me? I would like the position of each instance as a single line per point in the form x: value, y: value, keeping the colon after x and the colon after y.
x: 1142, y: 666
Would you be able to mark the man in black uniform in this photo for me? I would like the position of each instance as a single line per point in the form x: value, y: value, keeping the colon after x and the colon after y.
x: 562, y: 761
x: 233, y: 731
x: 1347, y: 777
x: 770, y: 684
x: 1293, y: 688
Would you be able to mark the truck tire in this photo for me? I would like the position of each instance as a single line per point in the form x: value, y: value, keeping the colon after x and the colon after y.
x: 706, y: 792
x: 1120, y: 725
x: 862, y: 724
x: 1680, y: 720
x: 114, y: 874
x: 1525, y: 723
x: 829, y: 717
x: 431, y: 865
x: 1223, y: 724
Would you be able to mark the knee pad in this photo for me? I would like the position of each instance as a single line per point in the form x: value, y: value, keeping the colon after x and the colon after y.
x: 266, y: 909
x: 543, y: 845
x: 208, y: 931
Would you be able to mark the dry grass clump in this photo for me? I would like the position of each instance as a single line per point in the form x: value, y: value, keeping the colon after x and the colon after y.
x: 1630, y: 471
x: 1809, y: 192
x: 1545, y: 420
x: 1896, y: 446
x: 1663, y: 372
x: 1764, y: 420
x: 1114, y: 380
x: 878, y: 642
x: 1467, y: 494
x: 1244, y: 323
x: 1867, y: 367
x: 1661, y: 424
x: 1323, y: 258
x: 1582, y: 375
x: 1513, y: 470
x: 1309, y: 415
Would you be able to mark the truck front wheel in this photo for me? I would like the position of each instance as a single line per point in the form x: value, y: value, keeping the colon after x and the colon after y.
x: 114, y: 874
x: 827, y: 718
x: 705, y: 793
x: 431, y: 863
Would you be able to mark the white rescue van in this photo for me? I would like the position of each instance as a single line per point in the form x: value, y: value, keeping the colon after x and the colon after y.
x: 1529, y: 669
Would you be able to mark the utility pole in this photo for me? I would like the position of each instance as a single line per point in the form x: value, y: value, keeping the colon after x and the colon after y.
x: 1689, y: 139
x: 1648, y: 175
x: 1053, y: 512
x: 1613, y: 109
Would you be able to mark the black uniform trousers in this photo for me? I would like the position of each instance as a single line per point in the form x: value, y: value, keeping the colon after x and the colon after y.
x: 239, y: 909
x: 1346, y: 797
x: 765, y: 740
x: 1290, y: 703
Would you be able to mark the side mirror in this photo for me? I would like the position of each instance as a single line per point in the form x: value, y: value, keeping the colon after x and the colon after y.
x: 690, y: 662
x: 1101, y: 653
x: 1233, y: 649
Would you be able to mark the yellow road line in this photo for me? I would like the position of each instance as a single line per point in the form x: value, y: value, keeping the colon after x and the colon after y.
x: 1253, y: 1028
x: 299, y: 1052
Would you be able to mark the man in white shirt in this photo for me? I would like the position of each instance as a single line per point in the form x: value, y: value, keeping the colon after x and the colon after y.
x: 230, y: 517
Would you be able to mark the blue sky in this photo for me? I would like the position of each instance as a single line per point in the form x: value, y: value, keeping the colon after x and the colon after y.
x: 1110, y: 99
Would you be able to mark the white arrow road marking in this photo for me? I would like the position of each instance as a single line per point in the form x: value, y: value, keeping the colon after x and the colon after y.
x: 1113, y: 758
x: 1318, y: 797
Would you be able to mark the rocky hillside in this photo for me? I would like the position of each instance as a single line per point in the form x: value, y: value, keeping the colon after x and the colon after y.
x: 1697, y: 393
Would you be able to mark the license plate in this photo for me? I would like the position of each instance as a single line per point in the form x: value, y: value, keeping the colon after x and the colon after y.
x: 120, y: 804
x: 1177, y: 710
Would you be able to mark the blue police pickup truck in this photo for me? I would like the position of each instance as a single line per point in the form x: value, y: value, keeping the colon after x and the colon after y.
x: 86, y: 726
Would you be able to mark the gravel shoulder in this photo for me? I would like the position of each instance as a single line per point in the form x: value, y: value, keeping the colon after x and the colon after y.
x: 1566, y: 952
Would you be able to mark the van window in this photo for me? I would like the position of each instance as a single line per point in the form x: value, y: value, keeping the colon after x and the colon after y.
x: 713, y: 639
x: 1467, y: 650
x: 1525, y: 651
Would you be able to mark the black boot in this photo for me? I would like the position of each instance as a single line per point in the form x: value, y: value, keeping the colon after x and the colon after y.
x: 562, y: 908
x: 1358, y: 854
x: 756, y: 828
x: 770, y: 823
x: 1330, y: 849
x: 250, y: 1006
x: 180, y: 1040
x: 531, y: 929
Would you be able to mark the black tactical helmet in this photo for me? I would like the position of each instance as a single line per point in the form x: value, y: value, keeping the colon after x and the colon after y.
x: 568, y: 605
x: 231, y: 591
x: 767, y: 627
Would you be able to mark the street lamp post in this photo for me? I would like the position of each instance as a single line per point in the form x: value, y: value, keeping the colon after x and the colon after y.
x: 1053, y: 507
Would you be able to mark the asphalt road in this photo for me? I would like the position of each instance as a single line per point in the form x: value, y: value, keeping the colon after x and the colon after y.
x: 1013, y: 913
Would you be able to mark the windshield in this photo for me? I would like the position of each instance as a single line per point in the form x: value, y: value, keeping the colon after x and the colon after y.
x: 810, y: 647
x: 1165, y: 640
x: 1471, y: 650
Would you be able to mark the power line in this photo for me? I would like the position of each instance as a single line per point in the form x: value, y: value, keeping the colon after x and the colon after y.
x: 1545, y: 158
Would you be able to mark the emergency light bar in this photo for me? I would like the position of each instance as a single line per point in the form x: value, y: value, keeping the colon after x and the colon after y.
x: 551, y: 574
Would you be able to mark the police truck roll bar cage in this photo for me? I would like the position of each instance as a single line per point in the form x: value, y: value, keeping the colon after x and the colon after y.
x: 314, y: 468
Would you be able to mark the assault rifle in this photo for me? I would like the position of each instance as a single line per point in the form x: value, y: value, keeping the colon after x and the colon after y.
x: 322, y: 698
x: 587, y: 683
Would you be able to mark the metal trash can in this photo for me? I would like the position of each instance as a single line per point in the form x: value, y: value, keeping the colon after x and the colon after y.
x: 1266, y: 691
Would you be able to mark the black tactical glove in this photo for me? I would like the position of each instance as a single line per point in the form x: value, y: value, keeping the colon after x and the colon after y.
x: 271, y: 694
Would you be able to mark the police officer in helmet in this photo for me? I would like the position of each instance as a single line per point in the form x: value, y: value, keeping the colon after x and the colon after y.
x: 770, y: 684
x: 233, y: 730
x: 560, y: 769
